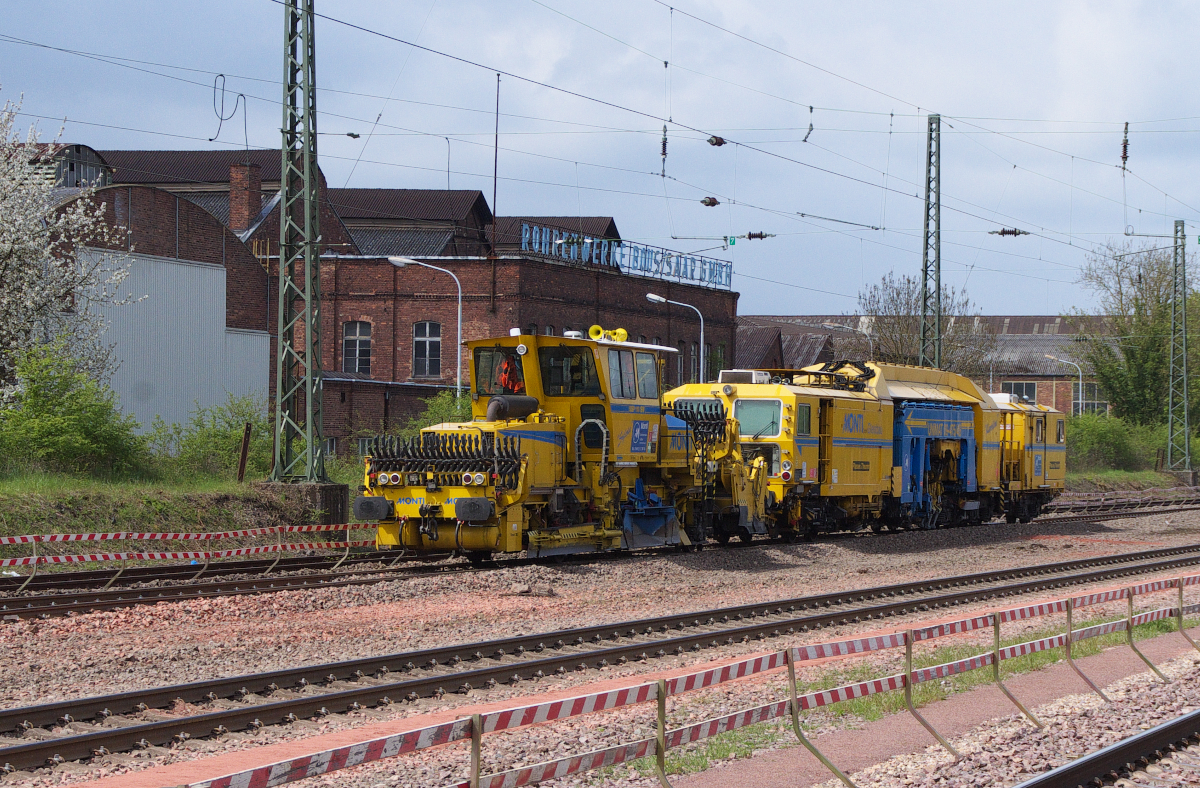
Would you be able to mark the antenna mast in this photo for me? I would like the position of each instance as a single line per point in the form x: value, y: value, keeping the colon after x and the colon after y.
x: 931, y: 255
x: 299, y: 439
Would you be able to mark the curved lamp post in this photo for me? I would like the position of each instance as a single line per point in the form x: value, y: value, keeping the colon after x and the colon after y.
x: 401, y: 262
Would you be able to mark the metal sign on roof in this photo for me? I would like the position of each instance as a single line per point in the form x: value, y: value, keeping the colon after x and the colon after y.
x: 629, y: 258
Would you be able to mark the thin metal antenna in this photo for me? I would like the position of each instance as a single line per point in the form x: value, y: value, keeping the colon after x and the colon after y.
x: 495, y: 179
x: 931, y: 254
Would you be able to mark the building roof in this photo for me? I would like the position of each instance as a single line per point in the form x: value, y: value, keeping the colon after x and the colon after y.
x: 758, y: 347
x: 184, y: 167
x: 401, y: 241
x: 420, y: 205
x: 996, y: 324
x: 794, y: 346
x: 508, y: 228
x: 1025, y: 354
x: 804, y: 349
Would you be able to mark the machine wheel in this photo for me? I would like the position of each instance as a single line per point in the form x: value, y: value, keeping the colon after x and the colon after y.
x: 787, y: 536
x: 876, y: 527
x: 479, y: 558
x: 1025, y: 518
x: 745, y: 536
x: 722, y: 537
x: 1010, y: 517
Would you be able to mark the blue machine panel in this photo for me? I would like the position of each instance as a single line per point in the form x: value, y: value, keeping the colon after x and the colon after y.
x: 917, y: 426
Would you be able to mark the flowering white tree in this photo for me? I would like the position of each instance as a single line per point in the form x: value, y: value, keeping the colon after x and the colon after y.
x: 56, y: 258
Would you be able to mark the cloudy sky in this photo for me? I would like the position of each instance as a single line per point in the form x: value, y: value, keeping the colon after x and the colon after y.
x: 1034, y: 97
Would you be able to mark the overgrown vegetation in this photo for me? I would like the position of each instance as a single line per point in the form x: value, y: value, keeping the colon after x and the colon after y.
x: 1112, y: 443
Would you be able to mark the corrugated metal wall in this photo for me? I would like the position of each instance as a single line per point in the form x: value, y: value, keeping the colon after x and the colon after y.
x: 172, y: 346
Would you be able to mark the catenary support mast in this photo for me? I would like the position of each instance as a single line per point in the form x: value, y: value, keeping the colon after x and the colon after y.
x: 931, y: 255
x: 299, y: 443
x: 1179, y: 455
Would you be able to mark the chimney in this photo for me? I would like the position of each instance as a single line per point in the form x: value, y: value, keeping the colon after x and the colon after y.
x: 245, y: 195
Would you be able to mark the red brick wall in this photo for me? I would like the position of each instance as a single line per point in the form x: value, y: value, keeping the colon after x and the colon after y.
x: 527, y: 293
x: 1055, y: 392
x: 162, y: 224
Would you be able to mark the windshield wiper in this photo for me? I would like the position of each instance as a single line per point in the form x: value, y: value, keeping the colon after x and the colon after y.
x: 759, y: 434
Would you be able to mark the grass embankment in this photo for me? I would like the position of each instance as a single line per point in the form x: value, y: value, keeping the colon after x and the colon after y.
x: 744, y: 742
x: 1110, y: 480
x: 46, y: 504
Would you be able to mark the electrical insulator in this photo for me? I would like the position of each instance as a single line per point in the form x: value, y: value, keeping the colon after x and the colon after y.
x: 1125, y: 146
x: 716, y: 142
x: 664, y: 147
x: 711, y: 202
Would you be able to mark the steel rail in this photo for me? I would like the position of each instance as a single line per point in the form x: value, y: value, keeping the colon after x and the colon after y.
x: 573, y: 648
x: 149, y: 574
x: 47, y: 605
x: 1119, y: 757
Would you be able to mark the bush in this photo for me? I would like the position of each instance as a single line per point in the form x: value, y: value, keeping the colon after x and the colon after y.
x: 1110, y: 443
x: 210, y: 444
x: 439, y: 409
x: 60, y: 419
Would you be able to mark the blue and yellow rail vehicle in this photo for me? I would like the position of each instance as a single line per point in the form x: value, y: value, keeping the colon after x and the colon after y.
x: 564, y: 453
x: 851, y: 444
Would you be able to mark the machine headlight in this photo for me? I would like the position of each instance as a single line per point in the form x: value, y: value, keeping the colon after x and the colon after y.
x: 468, y: 478
x: 480, y: 478
x: 414, y: 479
x: 787, y: 476
x: 787, y: 465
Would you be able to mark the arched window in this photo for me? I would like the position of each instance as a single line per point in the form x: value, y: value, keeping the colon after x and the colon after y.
x: 679, y: 377
x: 356, y: 347
x: 548, y: 331
x: 427, y: 350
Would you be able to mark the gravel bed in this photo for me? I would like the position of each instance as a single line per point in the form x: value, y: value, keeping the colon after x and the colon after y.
x: 174, y: 642
x: 1008, y: 751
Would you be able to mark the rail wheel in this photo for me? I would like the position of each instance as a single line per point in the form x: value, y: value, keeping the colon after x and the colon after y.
x: 745, y: 536
x: 722, y: 537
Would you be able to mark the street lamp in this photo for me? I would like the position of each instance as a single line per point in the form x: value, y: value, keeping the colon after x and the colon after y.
x: 1072, y: 363
x: 657, y: 299
x: 870, y: 342
x: 400, y: 262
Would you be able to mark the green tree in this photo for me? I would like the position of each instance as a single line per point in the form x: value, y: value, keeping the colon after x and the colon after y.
x: 59, y: 418
x: 1127, y: 347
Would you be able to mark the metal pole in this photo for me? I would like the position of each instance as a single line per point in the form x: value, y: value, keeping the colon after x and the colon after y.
x: 1070, y: 658
x: 1179, y: 619
x: 703, y: 363
x: 458, y: 284
x: 908, y: 673
x: 660, y: 736
x: 794, y: 709
x: 996, y: 672
x: 931, y: 253
x: 1136, y: 650
x: 1179, y: 452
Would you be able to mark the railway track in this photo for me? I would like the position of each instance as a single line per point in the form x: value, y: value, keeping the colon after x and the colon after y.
x: 81, y: 595
x: 79, y: 729
x: 1170, y: 749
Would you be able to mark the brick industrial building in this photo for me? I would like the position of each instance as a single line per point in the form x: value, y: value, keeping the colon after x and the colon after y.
x: 388, y: 333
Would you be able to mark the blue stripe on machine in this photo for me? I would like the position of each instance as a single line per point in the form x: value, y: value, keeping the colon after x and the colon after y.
x: 991, y: 445
x: 557, y: 438
x: 648, y: 409
x: 808, y: 441
x: 874, y: 444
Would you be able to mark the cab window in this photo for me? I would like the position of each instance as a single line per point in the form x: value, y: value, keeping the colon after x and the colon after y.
x: 498, y: 370
x: 647, y: 376
x: 621, y: 380
x: 803, y: 420
x: 568, y: 371
x: 1061, y: 437
x: 1039, y: 431
x: 758, y: 417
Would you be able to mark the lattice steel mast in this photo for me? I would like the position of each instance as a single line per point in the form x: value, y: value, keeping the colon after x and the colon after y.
x: 299, y: 442
x: 931, y: 255
x: 1179, y: 455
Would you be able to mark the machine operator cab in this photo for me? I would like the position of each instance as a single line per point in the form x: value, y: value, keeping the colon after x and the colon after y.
x: 604, y: 390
